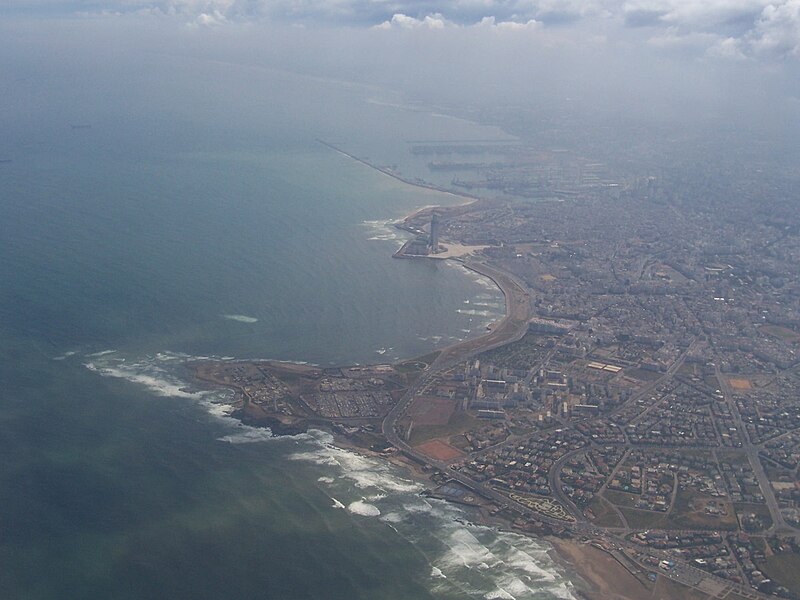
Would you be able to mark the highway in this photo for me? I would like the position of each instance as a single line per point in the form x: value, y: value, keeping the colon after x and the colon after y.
x: 510, y: 329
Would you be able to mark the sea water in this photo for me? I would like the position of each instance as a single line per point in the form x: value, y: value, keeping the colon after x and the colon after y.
x: 184, y: 222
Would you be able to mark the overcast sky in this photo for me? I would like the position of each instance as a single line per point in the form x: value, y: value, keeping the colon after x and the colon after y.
x: 733, y: 63
x: 734, y: 29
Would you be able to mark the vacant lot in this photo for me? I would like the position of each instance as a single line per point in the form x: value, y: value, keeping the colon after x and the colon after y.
x: 781, y: 333
x: 784, y: 569
x: 740, y: 384
x: 439, y: 450
x: 431, y: 410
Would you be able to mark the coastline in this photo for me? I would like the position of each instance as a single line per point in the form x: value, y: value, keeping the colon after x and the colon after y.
x: 573, y: 559
x: 592, y: 573
x: 595, y: 573
x: 388, y: 172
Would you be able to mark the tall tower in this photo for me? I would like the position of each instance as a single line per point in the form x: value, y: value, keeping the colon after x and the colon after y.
x: 434, y: 239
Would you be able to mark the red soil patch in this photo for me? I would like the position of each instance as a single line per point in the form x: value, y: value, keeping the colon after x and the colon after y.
x: 439, y: 450
x: 740, y: 384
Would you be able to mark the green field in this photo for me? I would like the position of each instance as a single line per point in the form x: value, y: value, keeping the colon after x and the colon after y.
x: 784, y: 569
x: 621, y: 499
x: 645, y: 519
x: 688, y: 513
x: 460, y: 422
x: 604, y: 514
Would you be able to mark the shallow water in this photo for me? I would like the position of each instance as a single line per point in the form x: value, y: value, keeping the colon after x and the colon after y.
x: 174, y: 229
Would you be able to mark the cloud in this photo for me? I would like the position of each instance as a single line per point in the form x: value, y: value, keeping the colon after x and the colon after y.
x: 215, y: 18
x: 492, y: 23
x: 401, y: 21
x: 695, y: 15
x: 777, y: 30
x: 437, y: 21
x: 765, y: 29
x: 729, y: 49
x: 723, y: 28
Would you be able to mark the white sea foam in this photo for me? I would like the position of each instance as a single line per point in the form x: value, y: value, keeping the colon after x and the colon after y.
x: 174, y: 356
x: 385, y: 237
x: 65, y: 355
x: 156, y: 374
x: 467, y: 550
x: 155, y: 383
x: 218, y: 409
x: 517, y: 557
x: 466, y: 559
x: 421, y: 506
x: 485, y: 282
x: 392, y: 517
x: 103, y: 353
x: 248, y: 435
x: 240, y: 318
x: 476, y: 559
x: 384, y: 231
x: 363, y: 472
x: 359, y: 507
x: 314, y: 457
x: 474, y: 313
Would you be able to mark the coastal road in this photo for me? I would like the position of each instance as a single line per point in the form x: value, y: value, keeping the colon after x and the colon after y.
x: 511, y: 328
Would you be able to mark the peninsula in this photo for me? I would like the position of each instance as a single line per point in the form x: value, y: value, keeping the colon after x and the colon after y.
x: 636, y: 404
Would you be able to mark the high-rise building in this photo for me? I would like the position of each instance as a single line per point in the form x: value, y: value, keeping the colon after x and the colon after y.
x: 434, y: 239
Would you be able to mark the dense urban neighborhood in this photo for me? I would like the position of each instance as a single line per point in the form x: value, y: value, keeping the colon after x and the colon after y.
x: 641, y: 393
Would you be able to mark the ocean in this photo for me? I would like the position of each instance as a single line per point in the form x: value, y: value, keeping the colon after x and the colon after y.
x: 150, y: 217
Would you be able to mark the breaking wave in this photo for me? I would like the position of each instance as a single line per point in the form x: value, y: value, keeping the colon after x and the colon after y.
x: 359, y: 507
x: 475, y: 313
x: 161, y: 375
x: 240, y: 318
x: 384, y: 231
x: 465, y: 559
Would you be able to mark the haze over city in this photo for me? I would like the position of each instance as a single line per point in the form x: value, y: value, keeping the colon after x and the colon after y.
x: 400, y: 299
